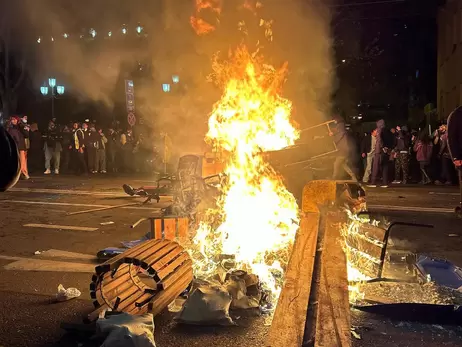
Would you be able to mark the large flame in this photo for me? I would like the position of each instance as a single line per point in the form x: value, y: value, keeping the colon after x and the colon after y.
x: 256, y: 217
x: 200, y: 25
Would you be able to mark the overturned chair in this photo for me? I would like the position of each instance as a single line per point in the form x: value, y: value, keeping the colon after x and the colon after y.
x: 145, y: 278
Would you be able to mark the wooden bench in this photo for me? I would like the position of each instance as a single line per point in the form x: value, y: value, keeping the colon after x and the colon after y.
x: 145, y: 278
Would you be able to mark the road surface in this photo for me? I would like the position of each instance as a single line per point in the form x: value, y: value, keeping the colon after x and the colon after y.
x: 34, y: 217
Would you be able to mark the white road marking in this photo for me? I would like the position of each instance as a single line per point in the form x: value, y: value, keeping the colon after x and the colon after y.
x: 410, y: 208
x: 27, y: 264
x: 76, y: 205
x: 60, y: 227
x: 68, y: 191
x: 441, y: 193
x: 56, y: 253
x: 77, y: 192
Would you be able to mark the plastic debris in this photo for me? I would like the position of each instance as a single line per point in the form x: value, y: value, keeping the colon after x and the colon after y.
x: 67, y: 294
x: 125, y: 330
x: 106, y: 223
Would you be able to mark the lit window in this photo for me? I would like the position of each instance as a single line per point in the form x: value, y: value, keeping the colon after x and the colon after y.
x: 175, y: 78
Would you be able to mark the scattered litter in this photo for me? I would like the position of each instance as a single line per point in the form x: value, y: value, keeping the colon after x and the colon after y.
x: 208, y: 304
x: 67, y: 294
x: 125, y: 330
x: 106, y: 223
x: 37, y: 252
x: 355, y: 334
x: 453, y: 235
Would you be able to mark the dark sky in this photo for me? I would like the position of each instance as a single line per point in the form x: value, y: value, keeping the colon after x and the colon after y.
x: 386, y: 52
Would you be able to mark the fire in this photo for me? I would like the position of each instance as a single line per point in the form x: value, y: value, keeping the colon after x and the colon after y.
x: 201, y: 26
x: 256, y: 218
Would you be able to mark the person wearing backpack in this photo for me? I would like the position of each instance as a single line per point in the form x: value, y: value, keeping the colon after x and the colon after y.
x: 424, y: 148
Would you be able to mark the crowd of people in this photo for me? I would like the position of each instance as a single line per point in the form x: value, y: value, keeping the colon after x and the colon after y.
x: 82, y: 148
x: 399, y: 155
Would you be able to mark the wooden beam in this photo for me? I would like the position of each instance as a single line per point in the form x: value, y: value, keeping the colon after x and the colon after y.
x: 288, y: 324
x: 333, y: 320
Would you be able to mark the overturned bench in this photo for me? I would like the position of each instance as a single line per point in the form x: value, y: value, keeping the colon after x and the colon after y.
x: 145, y: 278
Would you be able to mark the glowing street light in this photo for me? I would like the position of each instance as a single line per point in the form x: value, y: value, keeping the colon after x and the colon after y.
x: 39, y: 39
x: 109, y: 34
x: 52, y: 82
x: 52, y: 85
x: 139, y: 29
x: 44, y: 90
x: 92, y: 32
x: 65, y: 35
x: 124, y: 29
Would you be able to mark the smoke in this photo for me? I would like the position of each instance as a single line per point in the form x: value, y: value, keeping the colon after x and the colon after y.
x: 94, y: 69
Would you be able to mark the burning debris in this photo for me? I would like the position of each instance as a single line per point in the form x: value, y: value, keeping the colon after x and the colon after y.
x: 255, y: 218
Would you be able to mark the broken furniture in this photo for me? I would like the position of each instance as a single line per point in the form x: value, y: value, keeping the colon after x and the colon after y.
x: 143, y: 279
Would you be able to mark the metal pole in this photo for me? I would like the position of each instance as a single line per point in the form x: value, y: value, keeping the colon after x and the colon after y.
x: 165, y: 154
x: 52, y: 102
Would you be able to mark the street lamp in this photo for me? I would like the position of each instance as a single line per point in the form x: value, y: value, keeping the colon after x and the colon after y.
x: 53, y: 86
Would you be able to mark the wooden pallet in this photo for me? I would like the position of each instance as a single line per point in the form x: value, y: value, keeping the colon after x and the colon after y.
x: 145, y: 278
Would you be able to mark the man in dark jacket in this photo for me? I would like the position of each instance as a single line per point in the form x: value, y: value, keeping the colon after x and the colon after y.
x: 455, y: 136
x: 382, y: 153
x: 52, y: 148
x: 401, y: 153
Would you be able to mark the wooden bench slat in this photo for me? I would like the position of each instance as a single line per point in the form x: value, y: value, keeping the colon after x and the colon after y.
x: 167, y: 259
x: 165, y: 297
x: 119, y: 259
x: 171, y: 267
x: 179, y: 272
x: 136, y: 259
x: 148, y: 262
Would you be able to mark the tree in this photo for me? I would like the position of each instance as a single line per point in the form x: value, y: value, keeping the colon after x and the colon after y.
x: 12, y: 61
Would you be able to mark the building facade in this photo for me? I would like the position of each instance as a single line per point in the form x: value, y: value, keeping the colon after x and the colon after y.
x: 449, y: 74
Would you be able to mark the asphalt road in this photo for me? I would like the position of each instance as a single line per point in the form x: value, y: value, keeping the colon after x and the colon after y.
x: 34, y: 217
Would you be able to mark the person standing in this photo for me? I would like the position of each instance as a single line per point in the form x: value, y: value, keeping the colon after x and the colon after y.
x: 113, y: 143
x: 19, y: 135
x: 91, y: 143
x: 401, y: 152
x: 67, y: 148
x: 382, y: 154
x: 52, y: 148
x: 77, y: 147
x: 100, y: 158
x: 423, y: 148
x: 343, y: 144
x: 368, y: 150
x: 35, y: 155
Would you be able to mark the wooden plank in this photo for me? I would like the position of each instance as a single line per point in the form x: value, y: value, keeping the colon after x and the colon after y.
x: 333, y: 320
x: 59, y: 227
x: 114, y: 262
x: 139, y: 258
x: 171, y: 267
x: 179, y: 272
x: 289, y: 318
x: 365, y: 245
x: 165, y: 297
x: 152, y: 259
x: 167, y: 259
